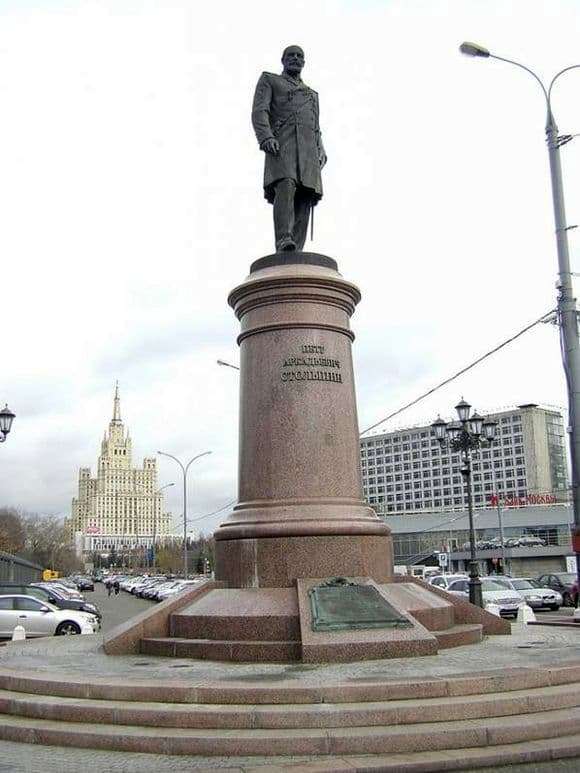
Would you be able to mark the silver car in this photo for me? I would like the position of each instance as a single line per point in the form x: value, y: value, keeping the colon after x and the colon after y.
x: 444, y: 580
x: 508, y: 600
x: 536, y: 596
x: 39, y: 618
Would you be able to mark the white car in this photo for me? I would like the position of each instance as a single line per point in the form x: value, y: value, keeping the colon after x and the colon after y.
x: 67, y: 590
x: 508, y: 601
x: 444, y: 580
x: 181, y: 585
x: 535, y: 595
x: 130, y: 582
x: 39, y: 618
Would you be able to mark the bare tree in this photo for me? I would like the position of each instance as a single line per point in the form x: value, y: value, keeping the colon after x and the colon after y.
x: 12, y: 532
x: 47, y: 543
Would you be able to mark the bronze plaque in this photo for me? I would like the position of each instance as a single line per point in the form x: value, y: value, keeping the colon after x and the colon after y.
x: 340, y: 605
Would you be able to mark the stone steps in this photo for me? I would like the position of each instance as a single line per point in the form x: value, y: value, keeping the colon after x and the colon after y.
x: 242, y: 651
x: 458, y: 635
x: 423, y: 737
x: 246, y: 651
x: 288, y: 716
x: 284, y: 691
x: 494, y: 757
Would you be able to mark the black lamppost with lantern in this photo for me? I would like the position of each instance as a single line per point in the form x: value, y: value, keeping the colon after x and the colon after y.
x: 6, y: 419
x: 467, y: 435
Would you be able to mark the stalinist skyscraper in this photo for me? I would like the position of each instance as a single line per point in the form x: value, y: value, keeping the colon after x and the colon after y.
x: 122, y: 506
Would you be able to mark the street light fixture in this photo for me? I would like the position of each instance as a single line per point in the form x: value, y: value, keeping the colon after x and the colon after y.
x: 467, y: 436
x: 6, y: 419
x: 227, y: 364
x: 184, y: 470
x: 566, y: 309
x: 473, y: 49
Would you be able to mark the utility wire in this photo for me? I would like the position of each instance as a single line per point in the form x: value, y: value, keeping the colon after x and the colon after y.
x: 207, y: 515
x: 215, y: 512
x: 460, y: 372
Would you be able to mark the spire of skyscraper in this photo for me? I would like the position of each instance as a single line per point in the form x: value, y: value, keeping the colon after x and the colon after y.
x: 116, y: 406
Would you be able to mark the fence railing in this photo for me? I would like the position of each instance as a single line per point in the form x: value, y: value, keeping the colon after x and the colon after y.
x: 17, y: 569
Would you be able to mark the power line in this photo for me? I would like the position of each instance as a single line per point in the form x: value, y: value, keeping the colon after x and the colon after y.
x: 461, y: 372
x: 215, y: 512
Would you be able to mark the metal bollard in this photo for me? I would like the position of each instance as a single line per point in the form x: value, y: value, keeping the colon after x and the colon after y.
x: 525, y: 615
x: 18, y: 634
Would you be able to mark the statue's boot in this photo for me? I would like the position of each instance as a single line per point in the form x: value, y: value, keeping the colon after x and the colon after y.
x: 286, y: 244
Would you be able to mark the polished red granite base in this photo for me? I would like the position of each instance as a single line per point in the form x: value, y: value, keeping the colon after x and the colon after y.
x: 275, y: 624
x: 277, y: 562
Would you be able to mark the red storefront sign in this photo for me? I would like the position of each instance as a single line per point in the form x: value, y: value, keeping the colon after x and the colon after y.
x: 530, y: 499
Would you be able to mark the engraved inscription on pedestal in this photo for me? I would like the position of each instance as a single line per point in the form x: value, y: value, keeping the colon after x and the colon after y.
x: 311, y: 365
x: 339, y: 605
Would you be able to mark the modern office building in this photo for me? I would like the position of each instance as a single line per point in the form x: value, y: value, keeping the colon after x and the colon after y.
x: 419, y: 540
x: 407, y: 471
x: 121, y: 507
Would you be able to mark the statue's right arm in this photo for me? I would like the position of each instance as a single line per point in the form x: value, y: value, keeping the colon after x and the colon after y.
x: 261, y: 110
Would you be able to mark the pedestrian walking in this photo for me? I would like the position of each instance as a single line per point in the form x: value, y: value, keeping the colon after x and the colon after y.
x: 109, y: 588
x: 116, y: 587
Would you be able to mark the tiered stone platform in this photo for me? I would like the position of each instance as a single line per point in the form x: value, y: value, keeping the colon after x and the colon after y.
x: 252, y: 625
x: 263, y: 625
x: 508, y: 699
x: 304, y: 567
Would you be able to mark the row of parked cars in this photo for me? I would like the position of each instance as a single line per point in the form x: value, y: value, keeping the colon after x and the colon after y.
x: 155, y: 588
x: 525, y: 541
x: 46, y: 609
x: 549, y: 591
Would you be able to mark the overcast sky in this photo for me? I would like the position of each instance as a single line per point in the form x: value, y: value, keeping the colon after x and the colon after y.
x: 131, y: 203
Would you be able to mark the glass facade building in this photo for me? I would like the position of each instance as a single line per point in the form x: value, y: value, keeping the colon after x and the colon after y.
x: 407, y: 471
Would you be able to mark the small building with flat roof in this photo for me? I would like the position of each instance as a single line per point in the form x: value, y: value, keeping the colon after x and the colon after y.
x: 419, y: 539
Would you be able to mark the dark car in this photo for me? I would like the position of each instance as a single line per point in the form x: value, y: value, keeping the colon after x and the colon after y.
x: 85, y: 583
x: 563, y: 582
x: 52, y: 596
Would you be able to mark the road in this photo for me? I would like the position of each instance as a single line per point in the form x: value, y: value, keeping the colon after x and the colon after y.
x: 563, y: 612
x: 116, y: 609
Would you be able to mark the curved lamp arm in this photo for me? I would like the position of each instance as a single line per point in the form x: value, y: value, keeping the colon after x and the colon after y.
x: 474, y: 49
x: 175, y: 459
x: 557, y: 75
x: 205, y: 453
x: 532, y: 73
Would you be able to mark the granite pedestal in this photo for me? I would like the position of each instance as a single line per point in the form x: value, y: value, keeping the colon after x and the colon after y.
x: 301, y: 518
x: 300, y: 512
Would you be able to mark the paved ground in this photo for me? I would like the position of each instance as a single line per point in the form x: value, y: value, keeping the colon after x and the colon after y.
x: 527, y: 646
x: 534, y: 646
x: 116, y: 609
x: 28, y: 758
x: 547, y: 614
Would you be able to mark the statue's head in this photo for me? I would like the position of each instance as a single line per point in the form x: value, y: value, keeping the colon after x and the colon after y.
x: 293, y: 60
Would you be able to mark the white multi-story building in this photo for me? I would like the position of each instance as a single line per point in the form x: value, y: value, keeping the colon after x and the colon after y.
x: 407, y: 472
x: 122, y: 507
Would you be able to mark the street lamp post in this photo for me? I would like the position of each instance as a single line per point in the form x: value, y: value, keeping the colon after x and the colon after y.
x: 154, y: 545
x: 470, y: 434
x: 499, y: 518
x: 567, y: 313
x: 184, y: 470
x: 6, y: 419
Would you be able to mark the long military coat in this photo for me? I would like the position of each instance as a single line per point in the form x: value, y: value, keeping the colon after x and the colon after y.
x: 286, y: 109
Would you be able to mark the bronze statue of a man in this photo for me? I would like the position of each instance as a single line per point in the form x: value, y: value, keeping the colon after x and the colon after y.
x: 285, y: 119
